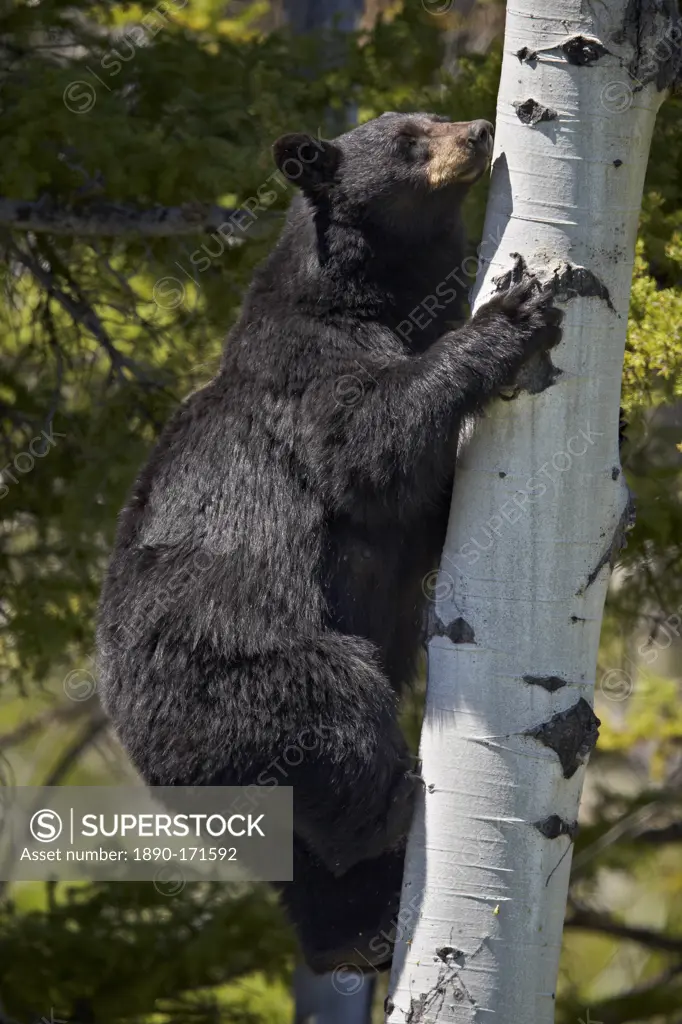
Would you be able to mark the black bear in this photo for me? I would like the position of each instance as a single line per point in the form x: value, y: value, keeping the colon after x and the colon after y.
x: 266, y: 587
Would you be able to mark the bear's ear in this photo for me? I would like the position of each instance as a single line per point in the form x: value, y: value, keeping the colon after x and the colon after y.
x: 306, y: 161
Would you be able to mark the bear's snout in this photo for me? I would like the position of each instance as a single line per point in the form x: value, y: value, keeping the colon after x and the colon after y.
x: 481, y: 135
x: 459, y: 152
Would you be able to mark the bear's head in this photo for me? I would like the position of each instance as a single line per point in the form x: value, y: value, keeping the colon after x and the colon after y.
x: 391, y: 171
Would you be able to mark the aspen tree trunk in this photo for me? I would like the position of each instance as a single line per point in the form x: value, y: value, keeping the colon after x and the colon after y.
x: 538, y: 515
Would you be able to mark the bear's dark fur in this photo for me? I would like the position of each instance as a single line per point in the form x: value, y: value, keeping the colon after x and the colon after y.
x: 266, y: 588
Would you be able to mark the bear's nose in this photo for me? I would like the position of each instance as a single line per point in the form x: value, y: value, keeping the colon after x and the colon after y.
x: 481, y: 134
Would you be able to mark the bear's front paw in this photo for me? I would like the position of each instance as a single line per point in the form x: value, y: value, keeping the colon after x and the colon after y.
x: 527, y: 315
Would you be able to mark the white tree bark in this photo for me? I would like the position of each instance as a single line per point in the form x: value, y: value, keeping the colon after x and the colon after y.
x: 538, y: 515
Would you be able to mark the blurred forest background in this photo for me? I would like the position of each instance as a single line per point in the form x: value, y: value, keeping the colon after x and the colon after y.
x: 124, y: 129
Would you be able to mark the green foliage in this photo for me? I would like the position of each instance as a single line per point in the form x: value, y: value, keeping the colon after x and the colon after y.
x: 184, y: 121
x: 113, y: 952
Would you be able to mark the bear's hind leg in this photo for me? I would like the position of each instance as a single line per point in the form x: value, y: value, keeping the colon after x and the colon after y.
x: 345, y: 921
x: 354, y: 795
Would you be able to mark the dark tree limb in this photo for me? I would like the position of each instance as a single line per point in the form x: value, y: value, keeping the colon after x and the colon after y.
x: 80, y: 312
x: 659, y: 836
x: 102, y: 219
x: 590, y: 920
x: 52, y: 716
x: 95, y: 725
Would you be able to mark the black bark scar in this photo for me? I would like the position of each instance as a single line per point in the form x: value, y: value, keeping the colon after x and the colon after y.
x: 448, y: 954
x: 582, y: 50
x: 554, y: 826
x: 550, y: 683
x: 571, y: 734
x: 434, y: 999
x: 617, y: 543
x: 571, y: 280
x: 653, y: 28
x: 579, y: 50
x: 531, y: 112
x: 526, y: 55
x: 458, y: 631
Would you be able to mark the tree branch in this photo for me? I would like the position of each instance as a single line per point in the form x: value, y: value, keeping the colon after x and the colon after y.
x: 592, y: 921
x: 100, y: 219
x: 24, y: 731
x: 96, y: 725
x: 658, y: 836
x: 651, y: 999
x: 80, y: 312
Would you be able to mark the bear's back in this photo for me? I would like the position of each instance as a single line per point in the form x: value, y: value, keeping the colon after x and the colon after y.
x: 221, y: 534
